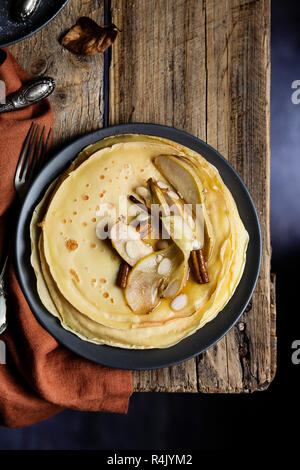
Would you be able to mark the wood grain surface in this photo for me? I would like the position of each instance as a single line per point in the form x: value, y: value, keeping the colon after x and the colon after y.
x: 78, y: 101
x: 202, y: 66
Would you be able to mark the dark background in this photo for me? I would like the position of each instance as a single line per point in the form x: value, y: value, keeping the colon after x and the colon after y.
x: 183, y: 421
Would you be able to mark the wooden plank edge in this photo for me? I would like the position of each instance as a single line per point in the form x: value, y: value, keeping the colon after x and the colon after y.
x: 181, y: 378
x: 273, y: 328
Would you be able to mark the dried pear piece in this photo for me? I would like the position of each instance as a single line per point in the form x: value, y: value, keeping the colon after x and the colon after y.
x: 176, y: 283
x: 208, y: 230
x: 183, y: 175
x: 127, y: 242
x: 160, y: 274
x: 174, y: 217
x: 180, y: 233
x: 158, y: 198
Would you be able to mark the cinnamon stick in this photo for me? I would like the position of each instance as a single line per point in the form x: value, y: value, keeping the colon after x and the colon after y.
x: 195, y: 266
x: 198, y: 265
x: 123, y: 275
x: 202, y: 266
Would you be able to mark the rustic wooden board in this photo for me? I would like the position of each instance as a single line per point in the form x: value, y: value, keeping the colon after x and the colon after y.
x: 78, y: 101
x: 204, y: 66
x: 238, y: 74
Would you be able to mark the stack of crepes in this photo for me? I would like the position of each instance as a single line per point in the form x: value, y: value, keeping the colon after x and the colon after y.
x: 76, y: 271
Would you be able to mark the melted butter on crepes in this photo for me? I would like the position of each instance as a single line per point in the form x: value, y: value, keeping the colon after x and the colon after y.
x: 79, y: 284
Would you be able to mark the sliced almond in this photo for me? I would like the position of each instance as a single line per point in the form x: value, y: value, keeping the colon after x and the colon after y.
x: 142, y: 192
x: 179, y: 302
x: 162, y: 185
x: 132, y: 249
x: 164, y: 266
x: 173, y: 195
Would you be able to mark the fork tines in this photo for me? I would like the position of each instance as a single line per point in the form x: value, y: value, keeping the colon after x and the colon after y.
x: 33, y: 153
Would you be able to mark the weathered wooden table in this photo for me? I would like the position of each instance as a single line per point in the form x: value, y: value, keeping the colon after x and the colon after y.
x: 198, y: 65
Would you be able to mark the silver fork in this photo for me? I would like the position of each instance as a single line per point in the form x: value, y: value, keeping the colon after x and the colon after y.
x: 33, y: 153
x: 31, y: 158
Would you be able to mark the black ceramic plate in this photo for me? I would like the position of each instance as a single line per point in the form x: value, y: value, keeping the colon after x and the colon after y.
x: 12, y: 31
x: 151, y: 358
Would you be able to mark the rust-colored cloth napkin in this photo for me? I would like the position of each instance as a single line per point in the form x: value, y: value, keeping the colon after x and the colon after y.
x: 41, y: 377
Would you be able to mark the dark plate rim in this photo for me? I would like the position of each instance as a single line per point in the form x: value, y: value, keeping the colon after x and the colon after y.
x: 36, y: 30
x: 145, y: 359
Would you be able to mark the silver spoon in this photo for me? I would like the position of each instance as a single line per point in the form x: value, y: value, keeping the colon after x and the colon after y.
x: 25, y: 8
x: 33, y: 91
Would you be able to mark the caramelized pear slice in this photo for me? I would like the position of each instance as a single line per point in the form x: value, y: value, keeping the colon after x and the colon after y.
x: 174, y: 218
x: 183, y: 176
x: 160, y: 274
x: 180, y: 233
x: 176, y: 283
x: 128, y: 243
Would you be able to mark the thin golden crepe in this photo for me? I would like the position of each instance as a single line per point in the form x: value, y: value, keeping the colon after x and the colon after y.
x: 79, y: 286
